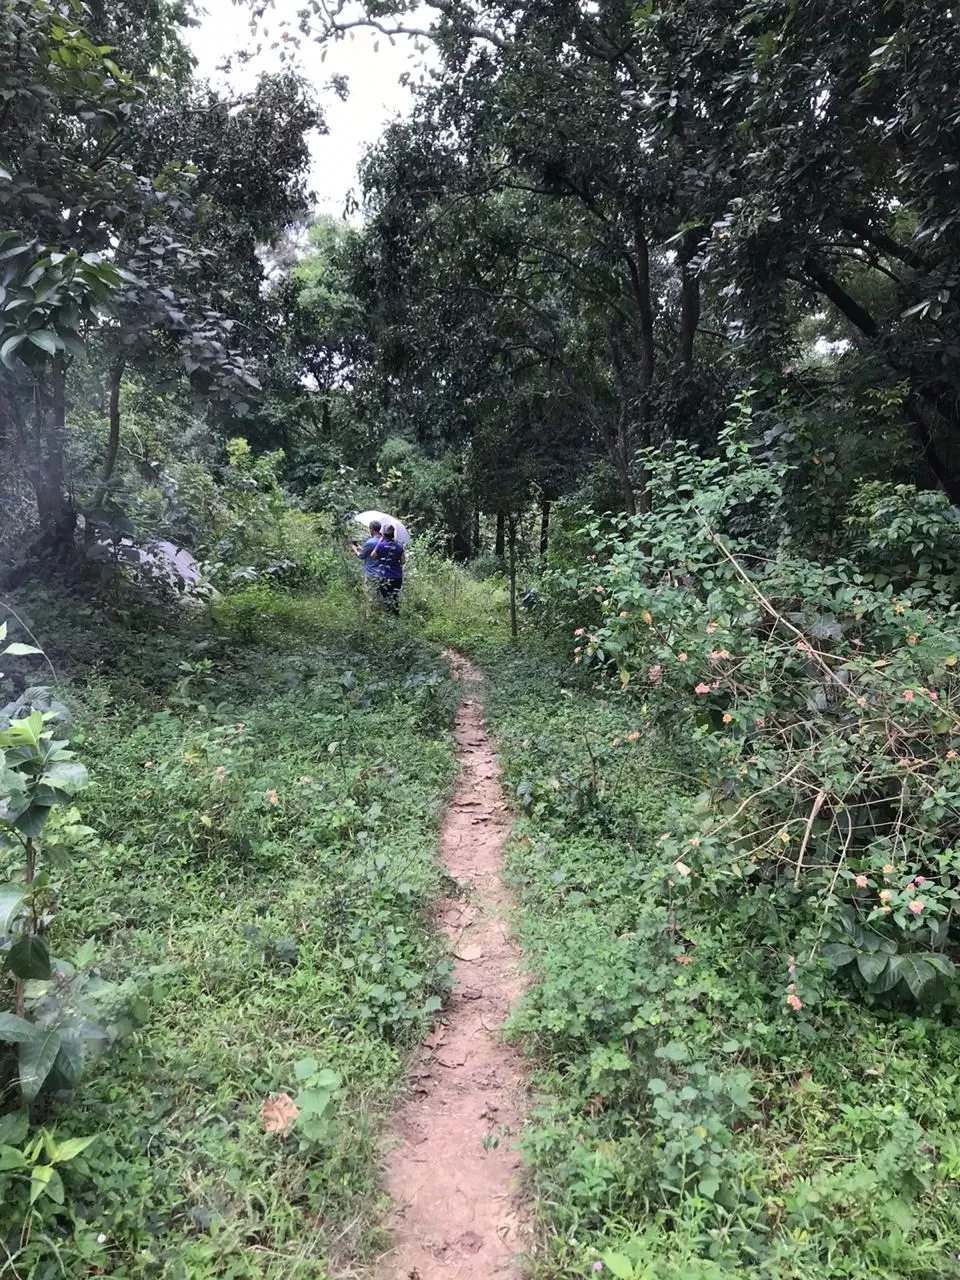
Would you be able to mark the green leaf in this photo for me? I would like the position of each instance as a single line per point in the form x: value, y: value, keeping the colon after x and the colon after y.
x: 674, y: 1051
x: 37, y: 1057
x: 10, y: 347
x: 915, y: 972
x: 305, y: 1068
x: 46, y: 1180
x: 709, y: 1186
x: 11, y: 1159
x: 18, y: 650
x: 68, y: 776
x: 29, y: 958
x: 14, y: 1030
x: 14, y: 1127
x: 871, y: 964
x: 838, y: 954
x: 45, y: 339
x: 70, y: 1149
x: 620, y: 1265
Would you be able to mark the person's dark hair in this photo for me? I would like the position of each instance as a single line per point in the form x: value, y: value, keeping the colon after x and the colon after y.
x: 375, y: 526
x: 389, y: 533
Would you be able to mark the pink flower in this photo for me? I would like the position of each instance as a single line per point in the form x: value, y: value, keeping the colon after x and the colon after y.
x: 908, y: 695
x: 615, y: 742
x: 272, y: 797
x: 886, y: 895
x: 681, y: 657
x: 711, y: 628
x: 702, y: 688
x: 717, y: 654
x: 932, y: 695
x: 919, y: 880
x: 599, y: 590
x: 888, y: 868
x: 578, y: 648
x: 220, y: 772
x: 727, y: 718
x: 593, y: 639
x: 862, y: 882
x: 598, y: 1265
x: 916, y: 907
x: 791, y: 969
x: 633, y: 736
x: 795, y: 1003
x: 760, y: 722
x: 655, y: 673
x: 580, y: 631
x: 861, y: 702
x: 792, y: 986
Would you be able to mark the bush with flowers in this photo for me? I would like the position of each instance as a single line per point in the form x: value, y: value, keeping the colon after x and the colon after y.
x: 823, y: 701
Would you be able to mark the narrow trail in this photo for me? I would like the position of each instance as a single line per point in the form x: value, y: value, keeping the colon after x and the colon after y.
x: 453, y: 1173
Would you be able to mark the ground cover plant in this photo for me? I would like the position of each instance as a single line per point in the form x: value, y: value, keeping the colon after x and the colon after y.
x: 251, y: 884
x: 688, y: 1122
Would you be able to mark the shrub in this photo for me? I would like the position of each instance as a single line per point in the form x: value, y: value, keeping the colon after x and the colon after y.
x: 824, y: 704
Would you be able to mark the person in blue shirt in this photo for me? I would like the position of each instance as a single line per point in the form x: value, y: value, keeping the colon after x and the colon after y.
x: 389, y: 557
x: 371, y: 570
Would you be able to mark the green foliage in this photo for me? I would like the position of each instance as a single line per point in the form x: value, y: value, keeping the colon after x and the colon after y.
x: 689, y: 1124
x: 823, y: 704
x: 452, y: 606
x: 262, y: 874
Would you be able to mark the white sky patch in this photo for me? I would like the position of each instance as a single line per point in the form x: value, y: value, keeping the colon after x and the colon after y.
x: 373, y: 74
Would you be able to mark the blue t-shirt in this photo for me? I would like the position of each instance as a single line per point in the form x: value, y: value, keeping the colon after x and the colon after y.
x: 389, y: 560
x: 370, y: 567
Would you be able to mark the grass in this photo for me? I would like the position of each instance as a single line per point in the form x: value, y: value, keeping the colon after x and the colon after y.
x: 686, y: 1126
x: 265, y: 810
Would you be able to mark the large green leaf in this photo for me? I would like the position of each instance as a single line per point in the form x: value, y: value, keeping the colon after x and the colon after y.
x: 33, y: 819
x: 72, y: 1147
x: 65, y: 775
x: 14, y: 1030
x: 11, y: 1159
x: 45, y: 339
x: 37, y: 1057
x: 871, y: 964
x: 46, y: 1180
x: 29, y: 958
x: 915, y: 971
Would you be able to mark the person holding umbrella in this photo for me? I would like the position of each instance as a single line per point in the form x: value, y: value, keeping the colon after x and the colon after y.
x: 383, y: 573
x: 390, y: 557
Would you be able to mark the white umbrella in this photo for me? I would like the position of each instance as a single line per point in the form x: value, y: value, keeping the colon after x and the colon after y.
x: 368, y: 517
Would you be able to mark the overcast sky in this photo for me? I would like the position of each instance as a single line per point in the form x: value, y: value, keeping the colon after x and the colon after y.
x: 373, y: 75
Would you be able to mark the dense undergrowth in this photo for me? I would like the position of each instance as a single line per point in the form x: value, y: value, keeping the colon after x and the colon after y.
x: 263, y: 806
x: 687, y: 1124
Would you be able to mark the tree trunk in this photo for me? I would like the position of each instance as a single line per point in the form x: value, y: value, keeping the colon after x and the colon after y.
x: 113, y: 443
x: 57, y: 515
x: 689, y: 299
x: 498, y: 546
x: 512, y: 526
x: 544, y: 531
x: 476, y: 531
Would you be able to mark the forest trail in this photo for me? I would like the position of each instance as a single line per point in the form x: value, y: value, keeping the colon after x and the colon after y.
x: 453, y: 1173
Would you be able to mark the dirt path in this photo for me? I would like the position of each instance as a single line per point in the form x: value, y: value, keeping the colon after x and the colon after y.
x: 453, y: 1174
